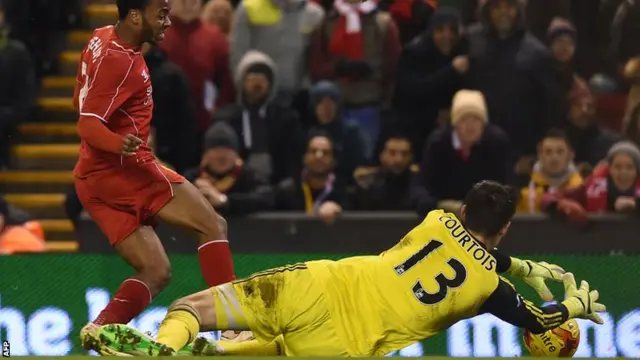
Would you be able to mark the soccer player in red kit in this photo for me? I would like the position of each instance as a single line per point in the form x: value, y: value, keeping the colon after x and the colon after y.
x: 117, y: 178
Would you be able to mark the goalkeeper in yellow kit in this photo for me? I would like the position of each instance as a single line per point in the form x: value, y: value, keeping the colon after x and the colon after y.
x: 439, y: 273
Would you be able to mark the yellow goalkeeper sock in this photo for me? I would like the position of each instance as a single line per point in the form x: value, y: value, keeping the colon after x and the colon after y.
x: 179, y: 328
x: 248, y: 348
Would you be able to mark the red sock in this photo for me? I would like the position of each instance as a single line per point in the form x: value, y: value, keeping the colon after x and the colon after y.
x: 132, y: 297
x: 216, y: 263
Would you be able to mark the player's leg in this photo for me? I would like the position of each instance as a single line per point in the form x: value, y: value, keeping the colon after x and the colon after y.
x: 189, y: 210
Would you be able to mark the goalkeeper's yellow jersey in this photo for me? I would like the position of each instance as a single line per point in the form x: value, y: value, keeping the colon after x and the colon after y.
x: 436, y: 275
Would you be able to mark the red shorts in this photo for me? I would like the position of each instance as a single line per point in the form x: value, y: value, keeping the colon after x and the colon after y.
x: 121, y: 200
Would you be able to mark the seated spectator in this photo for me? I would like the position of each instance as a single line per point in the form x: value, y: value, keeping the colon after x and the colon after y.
x: 613, y: 187
x: 429, y: 73
x: 174, y: 117
x: 589, y: 140
x: 457, y: 156
x: 358, y: 47
x: 349, y: 140
x: 386, y: 187
x: 554, y: 171
x: 317, y: 191
x: 219, y: 13
x: 270, y: 133
x: 230, y: 187
x: 17, y: 88
x: 16, y: 238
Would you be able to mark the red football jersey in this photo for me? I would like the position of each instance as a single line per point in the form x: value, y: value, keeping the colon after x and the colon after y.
x: 113, y: 86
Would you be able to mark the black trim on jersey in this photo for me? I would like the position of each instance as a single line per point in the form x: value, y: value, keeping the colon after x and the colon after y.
x: 503, y: 261
x: 506, y: 304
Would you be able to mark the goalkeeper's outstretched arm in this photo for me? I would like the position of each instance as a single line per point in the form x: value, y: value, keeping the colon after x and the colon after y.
x: 506, y: 304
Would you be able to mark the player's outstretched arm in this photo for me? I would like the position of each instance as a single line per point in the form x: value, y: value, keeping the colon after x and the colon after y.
x: 506, y: 304
x: 532, y: 273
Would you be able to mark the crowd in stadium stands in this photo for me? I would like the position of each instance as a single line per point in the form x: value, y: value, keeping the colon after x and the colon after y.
x: 321, y: 106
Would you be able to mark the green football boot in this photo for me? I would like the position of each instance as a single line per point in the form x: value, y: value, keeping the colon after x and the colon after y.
x: 123, y: 340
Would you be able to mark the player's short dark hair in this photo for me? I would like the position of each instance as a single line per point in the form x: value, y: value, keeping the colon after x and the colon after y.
x: 489, y: 207
x: 124, y: 6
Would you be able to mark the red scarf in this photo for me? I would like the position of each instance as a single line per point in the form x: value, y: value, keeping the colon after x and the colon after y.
x: 346, y: 40
x: 597, y: 193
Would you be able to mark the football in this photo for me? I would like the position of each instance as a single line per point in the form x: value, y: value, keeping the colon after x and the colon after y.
x: 560, y: 342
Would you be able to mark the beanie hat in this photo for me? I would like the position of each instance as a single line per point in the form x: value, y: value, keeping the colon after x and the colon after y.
x: 468, y: 102
x: 559, y: 27
x: 627, y: 147
x: 446, y: 16
x: 261, y: 68
x: 219, y: 135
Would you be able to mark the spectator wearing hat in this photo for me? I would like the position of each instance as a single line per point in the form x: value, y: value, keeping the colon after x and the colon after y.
x: 411, y: 16
x: 590, y: 141
x: 430, y: 71
x: 350, y: 142
x: 230, y: 187
x: 270, y: 133
x: 282, y: 29
x: 17, y: 88
x: 561, y: 38
x: 14, y: 236
x: 459, y: 155
x: 613, y: 187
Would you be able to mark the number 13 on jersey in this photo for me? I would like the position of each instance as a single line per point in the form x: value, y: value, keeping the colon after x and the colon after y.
x: 444, y: 283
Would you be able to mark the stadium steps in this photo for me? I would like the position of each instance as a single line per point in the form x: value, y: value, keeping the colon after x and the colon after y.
x: 76, y: 40
x: 45, y: 156
x: 41, y: 132
x: 15, y: 181
x: 45, y: 206
x: 58, y: 108
x: 62, y: 246
x: 100, y: 14
x: 57, y: 229
x: 69, y: 62
x: 57, y: 86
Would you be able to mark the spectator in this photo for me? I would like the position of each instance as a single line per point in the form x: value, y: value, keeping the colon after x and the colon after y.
x: 270, y: 133
x: 561, y: 38
x: 613, y: 187
x: 462, y: 154
x: 219, y: 13
x: 589, y: 140
x: 17, y: 88
x: 430, y: 72
x: 358, y: 47
x: 317, y: 191
x: 349, y: 140
x: 16, y: 238
x: 230, y: 187
x: 281, y: 29
x: 202, y: 52
x: 514, y: 71
x: 554, y: 171
x: 540, y: 14
x: 387, y: 187
x: 411, y: 16
x: 174, y: 118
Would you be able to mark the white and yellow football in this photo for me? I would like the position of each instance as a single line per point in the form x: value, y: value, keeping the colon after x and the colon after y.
x: 562, y: 341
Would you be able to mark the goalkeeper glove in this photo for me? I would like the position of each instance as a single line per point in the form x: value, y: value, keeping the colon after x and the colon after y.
x: 534, y: 274
x: 581, y: 303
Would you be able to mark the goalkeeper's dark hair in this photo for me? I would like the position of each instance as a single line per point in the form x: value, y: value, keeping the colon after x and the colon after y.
x: 489, y: 207
x: 124, y: 6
